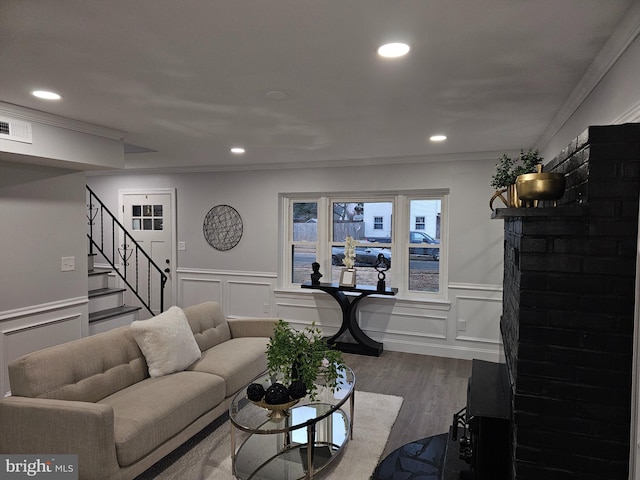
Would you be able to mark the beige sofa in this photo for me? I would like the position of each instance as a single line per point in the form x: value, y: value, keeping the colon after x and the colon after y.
x: 95, y: 397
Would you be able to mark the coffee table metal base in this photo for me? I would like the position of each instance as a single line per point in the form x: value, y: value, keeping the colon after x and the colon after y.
x: 271, y: 456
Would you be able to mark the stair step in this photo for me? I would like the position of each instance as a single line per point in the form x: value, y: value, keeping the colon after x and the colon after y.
x: 98, y: 279
x: 101, y: 292
x: 111, y: 318
x: 112, y: 312
x: 100, y: 271
x: 105, y: 298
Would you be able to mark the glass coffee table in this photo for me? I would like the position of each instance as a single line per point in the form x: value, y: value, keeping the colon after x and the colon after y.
x: 281, y: 447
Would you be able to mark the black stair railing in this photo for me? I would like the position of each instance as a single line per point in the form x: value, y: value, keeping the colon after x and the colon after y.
x: 105, y: 236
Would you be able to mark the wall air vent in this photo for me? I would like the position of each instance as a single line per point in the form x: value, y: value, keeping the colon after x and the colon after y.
x: 15, y: 130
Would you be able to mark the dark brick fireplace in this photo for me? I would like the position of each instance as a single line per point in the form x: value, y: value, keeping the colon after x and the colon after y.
x: 568, y: 313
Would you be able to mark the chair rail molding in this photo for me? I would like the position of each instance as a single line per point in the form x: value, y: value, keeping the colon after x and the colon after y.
x: 32, y: 328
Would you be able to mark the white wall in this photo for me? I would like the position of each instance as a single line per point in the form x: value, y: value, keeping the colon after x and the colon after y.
x: 245, y: 278
x: 42, y: 218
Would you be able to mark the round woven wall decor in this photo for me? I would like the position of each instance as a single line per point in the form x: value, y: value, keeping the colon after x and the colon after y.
x: 222, y: 227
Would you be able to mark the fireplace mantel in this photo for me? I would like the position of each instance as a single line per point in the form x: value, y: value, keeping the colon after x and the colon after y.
x: 503, y: 213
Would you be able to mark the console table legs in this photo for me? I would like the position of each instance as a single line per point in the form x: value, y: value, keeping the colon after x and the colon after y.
x: 364, y: 345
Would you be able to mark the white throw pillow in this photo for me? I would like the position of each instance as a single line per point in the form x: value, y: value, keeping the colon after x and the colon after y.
x: 166, y: 341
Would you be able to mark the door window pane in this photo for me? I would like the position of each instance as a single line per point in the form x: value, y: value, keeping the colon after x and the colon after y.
x: 154, y: 221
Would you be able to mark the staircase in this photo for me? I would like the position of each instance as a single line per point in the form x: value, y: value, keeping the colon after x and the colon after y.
x: 106, y: 303
x: 109, y: 239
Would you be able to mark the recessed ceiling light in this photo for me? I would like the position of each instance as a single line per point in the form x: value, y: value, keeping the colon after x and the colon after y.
x: 438, y: 138
x: 277, y: 95
x: 46, y: 95
x: 392, y: 50
x: 237, y: 150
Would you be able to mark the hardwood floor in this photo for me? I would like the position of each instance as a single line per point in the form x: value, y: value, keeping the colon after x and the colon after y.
x: 433, y: 388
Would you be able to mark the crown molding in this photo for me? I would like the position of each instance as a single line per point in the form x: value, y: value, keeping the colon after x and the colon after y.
x: 625, y: 34
x: 341, y: 163
x: 630, y: 116
x: 37, y: 116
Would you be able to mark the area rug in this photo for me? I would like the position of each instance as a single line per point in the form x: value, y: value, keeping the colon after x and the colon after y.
x: 207, y: 456
x: 422, y: 459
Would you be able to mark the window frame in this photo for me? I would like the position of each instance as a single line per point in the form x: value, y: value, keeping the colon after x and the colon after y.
x: 400, y: 223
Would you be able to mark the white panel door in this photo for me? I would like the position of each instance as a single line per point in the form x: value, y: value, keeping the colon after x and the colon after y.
x: 148, y: 217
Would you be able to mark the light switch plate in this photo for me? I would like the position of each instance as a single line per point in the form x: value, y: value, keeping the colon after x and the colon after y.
x: 182, y: 246
x: 68, y: 264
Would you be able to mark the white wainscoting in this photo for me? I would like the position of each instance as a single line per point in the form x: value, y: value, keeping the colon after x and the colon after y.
x: 29, y: 329
x: 241, y: 294
x: 401, y: 324
x: 410, y: 325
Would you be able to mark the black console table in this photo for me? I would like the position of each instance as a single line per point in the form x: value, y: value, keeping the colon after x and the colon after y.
x: 364, y: 345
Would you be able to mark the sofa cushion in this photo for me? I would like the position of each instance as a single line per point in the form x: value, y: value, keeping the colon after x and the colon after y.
x: 166, y: 341
x: 238, y: 361
x: 208, y: 324
x: 148, y: 413
x: 88, y: 369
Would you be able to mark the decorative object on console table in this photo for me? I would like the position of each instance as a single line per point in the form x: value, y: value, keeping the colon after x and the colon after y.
x: 382, y: 265
x: 348, y: 274
x: 348, y: 277
x: 507, y: 171
x: 316, y: 275
x: 361, y: 343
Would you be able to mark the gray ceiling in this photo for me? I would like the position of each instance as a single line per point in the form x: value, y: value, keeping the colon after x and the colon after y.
x: 189, y: 79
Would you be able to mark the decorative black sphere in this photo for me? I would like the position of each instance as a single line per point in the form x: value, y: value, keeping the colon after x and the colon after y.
x: 297, y: 389
x: 276, y: 394
x: 255, y: 392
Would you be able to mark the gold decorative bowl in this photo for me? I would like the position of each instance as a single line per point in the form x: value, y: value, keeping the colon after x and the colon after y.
x: 532, y: 187
x: 277, y: 411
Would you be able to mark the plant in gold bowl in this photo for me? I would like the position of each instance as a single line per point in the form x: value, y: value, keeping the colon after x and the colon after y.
x: 533, y: 187
x: 297, y: 361
x: 508, y: 170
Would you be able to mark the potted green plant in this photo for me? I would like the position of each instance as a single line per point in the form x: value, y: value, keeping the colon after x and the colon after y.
x: 298, y: 360
x: 507, y: 170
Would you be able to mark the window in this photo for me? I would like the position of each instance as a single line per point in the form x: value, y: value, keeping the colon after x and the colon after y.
x: 146, y: 217
x: 424, y: 246
x: 404, y: 227
x: 304, y: 238
x: 363, y: 221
